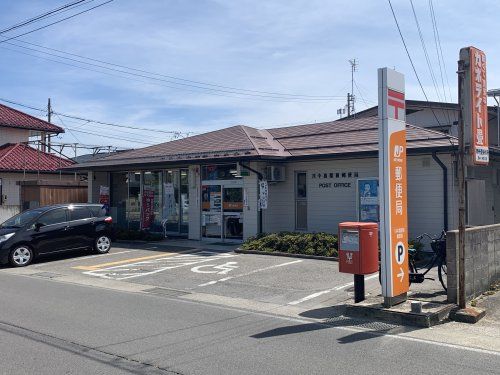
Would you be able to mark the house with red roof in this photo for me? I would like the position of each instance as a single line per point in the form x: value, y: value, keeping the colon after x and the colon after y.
x: 27, y: 173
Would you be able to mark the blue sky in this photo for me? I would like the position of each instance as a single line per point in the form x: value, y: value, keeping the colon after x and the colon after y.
x: 294, y: 47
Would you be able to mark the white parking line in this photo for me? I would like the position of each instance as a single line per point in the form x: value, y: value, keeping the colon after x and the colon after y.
x: 150, y: 267
x: 249, y: 273
x: 84, y: 258
x: 317, y: 294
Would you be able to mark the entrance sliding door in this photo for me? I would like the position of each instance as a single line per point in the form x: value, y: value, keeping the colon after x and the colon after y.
x: 176, y: 201
x: 211, y: 206
x: 233, y: 213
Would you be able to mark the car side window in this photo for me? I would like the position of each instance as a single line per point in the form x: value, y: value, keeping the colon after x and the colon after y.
x: 56, y: 216
x: 98, y: 211
x: 79, y: 213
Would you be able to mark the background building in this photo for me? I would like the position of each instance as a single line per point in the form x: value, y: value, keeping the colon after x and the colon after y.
x: 29, y: 176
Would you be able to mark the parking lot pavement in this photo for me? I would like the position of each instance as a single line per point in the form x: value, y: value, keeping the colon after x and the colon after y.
x: 281, y: 281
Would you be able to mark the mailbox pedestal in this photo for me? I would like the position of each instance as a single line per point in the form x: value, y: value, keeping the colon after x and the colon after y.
x: 358, y: 253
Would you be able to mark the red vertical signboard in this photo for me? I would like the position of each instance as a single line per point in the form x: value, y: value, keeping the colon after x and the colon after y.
x: 147, y: 209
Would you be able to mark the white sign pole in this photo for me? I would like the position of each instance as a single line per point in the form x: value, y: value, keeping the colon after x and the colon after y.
x: 393, y: 183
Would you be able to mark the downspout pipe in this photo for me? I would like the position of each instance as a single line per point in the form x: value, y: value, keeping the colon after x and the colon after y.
x: 260, y: 177
x: 445, y: 189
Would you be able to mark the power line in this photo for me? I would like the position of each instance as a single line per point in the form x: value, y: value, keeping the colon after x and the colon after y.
x: 411, y: 61
x: 92, y: 121
x: 41, y: 16
x: 427, y: 59
x: 113, y: 137
x: 429, y: 64
x: 56, y: 22
x: 171, y: 84
x: 437, y: 42
x: 238, y: 90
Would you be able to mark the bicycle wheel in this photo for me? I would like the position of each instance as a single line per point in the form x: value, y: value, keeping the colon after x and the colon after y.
x: 443, y: 274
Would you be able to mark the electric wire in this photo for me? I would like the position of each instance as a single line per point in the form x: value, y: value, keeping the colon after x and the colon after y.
x: 437, y: 41
x: 429, y: 64
x: 170, y: 84
x: 47, y: 14
x: 91, y: 120
x: 113, y: 137
x: 56, y: 22
x: 427, y: 58
x: 411, y: 61
x: 237, y: 90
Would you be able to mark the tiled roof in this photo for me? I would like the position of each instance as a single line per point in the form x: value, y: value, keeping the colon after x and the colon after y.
x: 350, y: 136
x: 13, y: 118
x: 21, y: 157
x: 233, y: 141
x: 334, y: 138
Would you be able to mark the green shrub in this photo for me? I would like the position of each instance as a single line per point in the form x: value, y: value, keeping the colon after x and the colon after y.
x: 132, y: 235
x: 321, y: 243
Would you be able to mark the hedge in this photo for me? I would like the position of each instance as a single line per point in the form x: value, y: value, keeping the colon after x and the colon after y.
x: 323, y: 244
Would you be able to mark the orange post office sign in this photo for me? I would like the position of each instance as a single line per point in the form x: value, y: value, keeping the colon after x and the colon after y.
x: 393, y: 184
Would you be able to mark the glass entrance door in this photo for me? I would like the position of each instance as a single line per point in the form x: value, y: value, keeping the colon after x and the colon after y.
x: 233, y: 213
x: 211, y: 207
x: 176, y: 201
x: 222, y: 211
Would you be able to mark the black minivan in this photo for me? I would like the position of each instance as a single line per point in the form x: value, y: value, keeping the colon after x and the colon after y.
x: 53, y: 229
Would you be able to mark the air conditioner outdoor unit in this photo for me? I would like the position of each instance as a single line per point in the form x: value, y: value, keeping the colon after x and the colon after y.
x: 275, y: 173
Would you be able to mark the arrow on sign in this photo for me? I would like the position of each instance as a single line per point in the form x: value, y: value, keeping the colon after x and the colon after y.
x: 401, y: 274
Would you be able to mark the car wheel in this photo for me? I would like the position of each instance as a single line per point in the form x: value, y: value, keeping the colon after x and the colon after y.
x: 21, y: 256
x: 102, y: 244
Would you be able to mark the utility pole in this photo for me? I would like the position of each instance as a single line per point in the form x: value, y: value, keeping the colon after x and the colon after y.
x: 461, y: 187
x: 46, y: 138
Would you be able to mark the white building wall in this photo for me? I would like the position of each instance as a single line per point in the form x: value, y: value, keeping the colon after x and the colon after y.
x: 327, y: 207
x: 13, y: 135
x: 194, y: 202
x: 488, y: 175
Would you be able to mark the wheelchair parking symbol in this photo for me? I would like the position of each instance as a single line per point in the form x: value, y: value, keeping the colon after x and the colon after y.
x: 222, y: 269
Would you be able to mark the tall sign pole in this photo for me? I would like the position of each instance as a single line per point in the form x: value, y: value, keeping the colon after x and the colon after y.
x: 473, y: 135
x: 393, y: 186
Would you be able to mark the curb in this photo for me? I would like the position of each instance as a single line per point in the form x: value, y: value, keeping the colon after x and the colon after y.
x: 280, y: 254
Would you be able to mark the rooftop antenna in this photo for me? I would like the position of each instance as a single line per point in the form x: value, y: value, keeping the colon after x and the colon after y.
x: 350, y: 97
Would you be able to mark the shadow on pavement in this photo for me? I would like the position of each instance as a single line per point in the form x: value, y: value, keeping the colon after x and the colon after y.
x: 333, y: 316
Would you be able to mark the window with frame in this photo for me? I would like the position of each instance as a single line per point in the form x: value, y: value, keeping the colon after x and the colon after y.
x: 301, y: 200
x: 56, y: 216
x: 79, y: 213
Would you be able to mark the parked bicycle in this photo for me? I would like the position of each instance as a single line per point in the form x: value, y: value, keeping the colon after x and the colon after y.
x: 438, y: 258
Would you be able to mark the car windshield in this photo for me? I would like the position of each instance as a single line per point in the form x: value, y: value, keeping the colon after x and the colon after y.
x: 21, y: 219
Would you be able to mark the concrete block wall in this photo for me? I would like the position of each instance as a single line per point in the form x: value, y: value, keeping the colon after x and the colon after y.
x: 482, y: 260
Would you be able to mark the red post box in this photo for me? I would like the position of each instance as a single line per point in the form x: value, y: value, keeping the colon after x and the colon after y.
x: 358, y: 248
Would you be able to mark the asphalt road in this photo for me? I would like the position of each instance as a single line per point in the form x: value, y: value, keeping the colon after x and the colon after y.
x: 52, y: 327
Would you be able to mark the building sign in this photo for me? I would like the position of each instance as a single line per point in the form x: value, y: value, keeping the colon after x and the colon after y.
x: 147, y: 212
x: 393, y: 182
x: 169, y: 207
x: 104, y: 197
x: 368, y: 202
x: 263, y: 194
x: 475, y: 104
x: 215, y: 201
